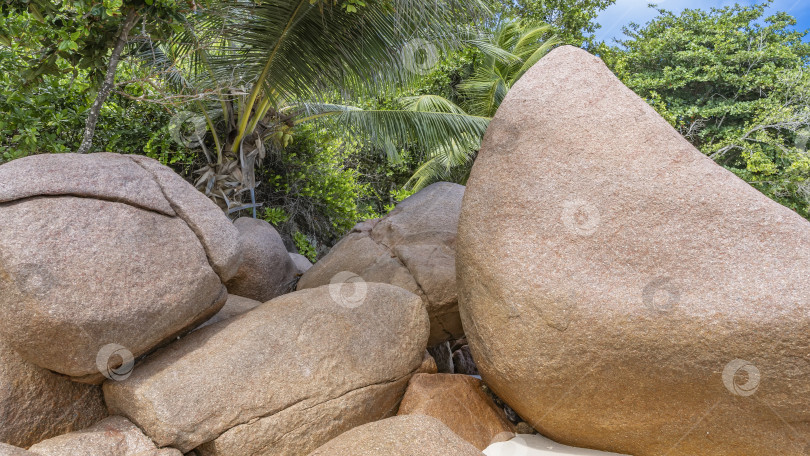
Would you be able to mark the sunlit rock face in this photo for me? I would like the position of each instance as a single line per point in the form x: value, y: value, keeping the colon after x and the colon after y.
x: 619, y: 290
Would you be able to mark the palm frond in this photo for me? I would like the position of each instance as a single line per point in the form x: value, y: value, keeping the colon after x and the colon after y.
x: 538, y: 54
x: 305, y: 49
x: 428, y: 123
x: 445, y: 164
x: 512, y: 48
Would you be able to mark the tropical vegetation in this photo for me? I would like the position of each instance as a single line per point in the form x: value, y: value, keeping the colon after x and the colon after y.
x: 315, y: 114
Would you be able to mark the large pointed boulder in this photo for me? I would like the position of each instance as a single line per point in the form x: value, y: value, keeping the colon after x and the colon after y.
x: 103, y: 254
x: 619, y: 290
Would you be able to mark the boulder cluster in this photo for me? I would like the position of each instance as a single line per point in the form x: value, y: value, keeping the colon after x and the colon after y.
x: 599, y: 281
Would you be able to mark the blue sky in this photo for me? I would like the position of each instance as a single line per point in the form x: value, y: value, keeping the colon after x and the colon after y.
x: 625, y: 11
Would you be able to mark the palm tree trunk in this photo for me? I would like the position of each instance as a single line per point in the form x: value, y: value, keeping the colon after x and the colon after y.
x: 109, y: 81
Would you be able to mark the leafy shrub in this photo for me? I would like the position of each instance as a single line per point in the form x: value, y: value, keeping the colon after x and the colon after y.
x: 313, y: 188
x: 304, y: 246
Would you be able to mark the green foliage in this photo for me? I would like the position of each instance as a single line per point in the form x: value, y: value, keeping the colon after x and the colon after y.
x: 313, y: 187
x: 296, y: 54
x: 384, y: 178
x: 52, y: 56
x: 274, y: 215
x: 735, y: 84
x: 508, y: 52
x: 304, y: 246
x: 574, y: 20
x: 502, y: 56
x: 49, y: 117
x: 80, y: 33
x: 397, y: 196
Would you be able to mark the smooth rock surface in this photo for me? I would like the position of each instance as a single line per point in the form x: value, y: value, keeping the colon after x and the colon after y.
x: 412, y: 247
x: 409, y: 435
x: 281, y: 379
x: 36, y: 404
x: 267, y: 270
x: 619, y: 290
x: 83, y: 265
x: 114, y: 436
x: 302, y: 263
x: 537, y: 445
x: 458, y: 402
x: 235, y: 305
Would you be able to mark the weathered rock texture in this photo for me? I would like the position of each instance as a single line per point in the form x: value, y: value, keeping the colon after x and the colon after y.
x: 281, y: 379
x: 235, y: 305
x: 11, y: 450
x: 105, y: 249
x: 459, y: 402
x: 36, y: 404
x: 610, y: 273
x: 443, y: 357
x: 409, y: 435
x: 267, y: 270
x: 428, y: 365
x: 463, y: 362
x: 413, y: 247
x: 114, y: 436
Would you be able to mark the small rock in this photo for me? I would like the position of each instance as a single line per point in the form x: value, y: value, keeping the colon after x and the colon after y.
x: 408, y: 435
x: 267, y: 270
x: 463, y: 362
x: 113, y: 436
x: 428, y: 365
x: 443, y: 357
x: 524, y: 428
x: 302, y: 263
x: 457, y: 344
x: 458, y: 402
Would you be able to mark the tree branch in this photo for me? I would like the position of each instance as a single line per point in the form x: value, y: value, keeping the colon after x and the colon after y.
x: 109, y: 81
